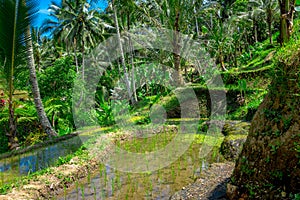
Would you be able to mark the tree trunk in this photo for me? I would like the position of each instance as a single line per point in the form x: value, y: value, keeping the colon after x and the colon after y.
x: 133, y: 76
x: 270, y: 32
x: 122, y: 54
x: 12, y: 122
x: 132, y: 62
x: 235, y: 55
x: 119, y: 68
x: 75, y: 56
x: 12, y: 135
x: 53, y: 119
x: 222, y: 62
x: 35, y: 89
x: 196, y: 20
x: 255, y: 31
x: 268, y: 166
x: 286, y: 19
x: 82, y: 63
x: 176, y: 51
x: 269, y: 21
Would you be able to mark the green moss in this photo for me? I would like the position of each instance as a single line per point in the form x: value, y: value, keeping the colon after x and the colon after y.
x: 170, y: 102
x: 209, y: 140
x: 289, y: 53
x: 235, y: 137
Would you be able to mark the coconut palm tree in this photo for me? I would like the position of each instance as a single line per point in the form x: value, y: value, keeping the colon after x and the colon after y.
x: 35, y: 87
x: 37, y: 46
x: 127, y: 10
x: 173, y: 15
x: 271, y: 8
x: 268, y: 9
x: 75, y: 24
x: 14, y: 40
x: 265, y: 10
x: 220, y: 41
x: 114, y: 8
x: 11, y: 41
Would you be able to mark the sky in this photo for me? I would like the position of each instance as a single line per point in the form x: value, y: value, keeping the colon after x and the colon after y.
x: 44, y: 13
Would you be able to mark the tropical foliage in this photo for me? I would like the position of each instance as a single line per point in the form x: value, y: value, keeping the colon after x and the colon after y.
x: 253, y: 44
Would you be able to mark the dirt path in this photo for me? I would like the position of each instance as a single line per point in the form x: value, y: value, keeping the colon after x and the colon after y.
x: 210, y: 186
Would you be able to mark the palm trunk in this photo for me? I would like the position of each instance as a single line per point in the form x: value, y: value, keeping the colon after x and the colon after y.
x: 35, y: 89
x: 12, y: 122
x: 269, y: 21
x: 211, y: 21
x: 133, y: 74
x: 82, y: 64
x: 196, y: 20
x: 270, y: 33
x: 132, y: 62
x: 255, y: 31
x: 176, y: 51
x: 122, y: 54
x: 75, y: 57
x: 222, y: 62
x: 197, y: 27
x: 12, y: 135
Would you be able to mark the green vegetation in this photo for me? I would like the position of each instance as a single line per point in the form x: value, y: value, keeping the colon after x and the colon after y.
x: 246, y: 63
x: 47, y: 75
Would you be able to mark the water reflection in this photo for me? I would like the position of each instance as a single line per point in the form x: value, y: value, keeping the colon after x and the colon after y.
x: 38, y: 159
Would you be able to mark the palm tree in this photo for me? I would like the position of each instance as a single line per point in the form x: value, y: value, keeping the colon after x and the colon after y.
x: 174, y: 15
x: 268, y: 9
x: 11, y: 41
x: 35, y: 88
x: 219, y: 33
x: 128, y: 11
x: 271, y: 8
x: 261, y: 9
x: 254, y: 15
x: 17, y: 46
x: 220, y: 41
x: 37, y: 46
x: 122, y: 54
x: 76, y: 25
x: 18, y: 17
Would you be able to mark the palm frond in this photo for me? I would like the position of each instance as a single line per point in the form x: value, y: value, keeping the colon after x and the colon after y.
x: 16, y: 16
